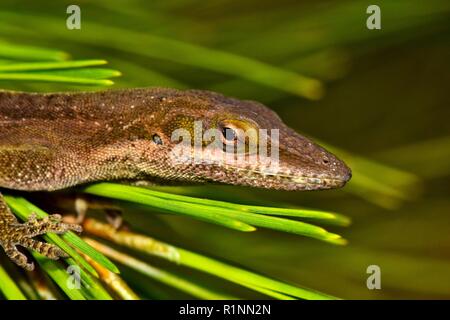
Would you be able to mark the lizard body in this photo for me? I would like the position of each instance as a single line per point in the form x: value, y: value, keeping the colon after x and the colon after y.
x: 59, y: 140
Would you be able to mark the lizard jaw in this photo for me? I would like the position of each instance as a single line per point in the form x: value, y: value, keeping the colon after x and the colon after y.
x: 314, y: 183
x: 283, y: 180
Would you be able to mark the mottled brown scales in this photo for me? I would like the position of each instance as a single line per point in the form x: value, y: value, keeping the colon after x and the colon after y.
x: 55, y: 141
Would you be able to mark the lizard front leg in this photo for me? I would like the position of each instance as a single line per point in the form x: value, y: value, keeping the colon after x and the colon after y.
x: 13, y: 234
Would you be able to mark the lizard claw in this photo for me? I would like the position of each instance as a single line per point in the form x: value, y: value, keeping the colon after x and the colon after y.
x: 32, y: 219
x: 50, y: 223
x: 15, y: 234
x: 17, y: 257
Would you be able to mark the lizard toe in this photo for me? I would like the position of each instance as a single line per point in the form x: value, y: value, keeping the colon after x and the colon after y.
x: 51, y: 224
x: 46, y: 249
x: 18, y: 257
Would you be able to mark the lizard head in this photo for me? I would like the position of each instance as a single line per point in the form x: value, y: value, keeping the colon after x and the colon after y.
x: 206, y: 137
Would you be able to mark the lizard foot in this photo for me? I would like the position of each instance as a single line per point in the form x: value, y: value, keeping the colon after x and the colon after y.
x: 21, y: 234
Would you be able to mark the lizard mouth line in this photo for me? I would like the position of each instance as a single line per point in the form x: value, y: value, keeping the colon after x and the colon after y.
x: 271, y: 177
x: 312, y: 181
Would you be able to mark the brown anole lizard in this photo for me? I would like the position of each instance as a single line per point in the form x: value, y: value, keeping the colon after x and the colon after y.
x: 59, y: 140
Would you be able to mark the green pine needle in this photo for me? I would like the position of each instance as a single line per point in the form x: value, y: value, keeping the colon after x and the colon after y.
x: 33, y: 66
x: 238, y: 217
x: 271, y: 287
x: 30, y: 53
x: 168, y: 278
x: 8, y: 287
x: 51, y: 68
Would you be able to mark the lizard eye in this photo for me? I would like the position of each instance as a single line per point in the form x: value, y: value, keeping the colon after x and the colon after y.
x: 238, y: 133
x: 229, y: 135
x: 157, y: 139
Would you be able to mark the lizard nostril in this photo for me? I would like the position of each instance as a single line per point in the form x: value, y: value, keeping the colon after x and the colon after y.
x: 347, y: 176
x: 325, y: 160
x: 157, y: 139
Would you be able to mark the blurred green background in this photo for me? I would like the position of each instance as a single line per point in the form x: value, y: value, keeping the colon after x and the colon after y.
x: 386, y: 99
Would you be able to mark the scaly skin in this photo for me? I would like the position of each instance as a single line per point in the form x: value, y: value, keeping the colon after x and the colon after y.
x: 55, y: 141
